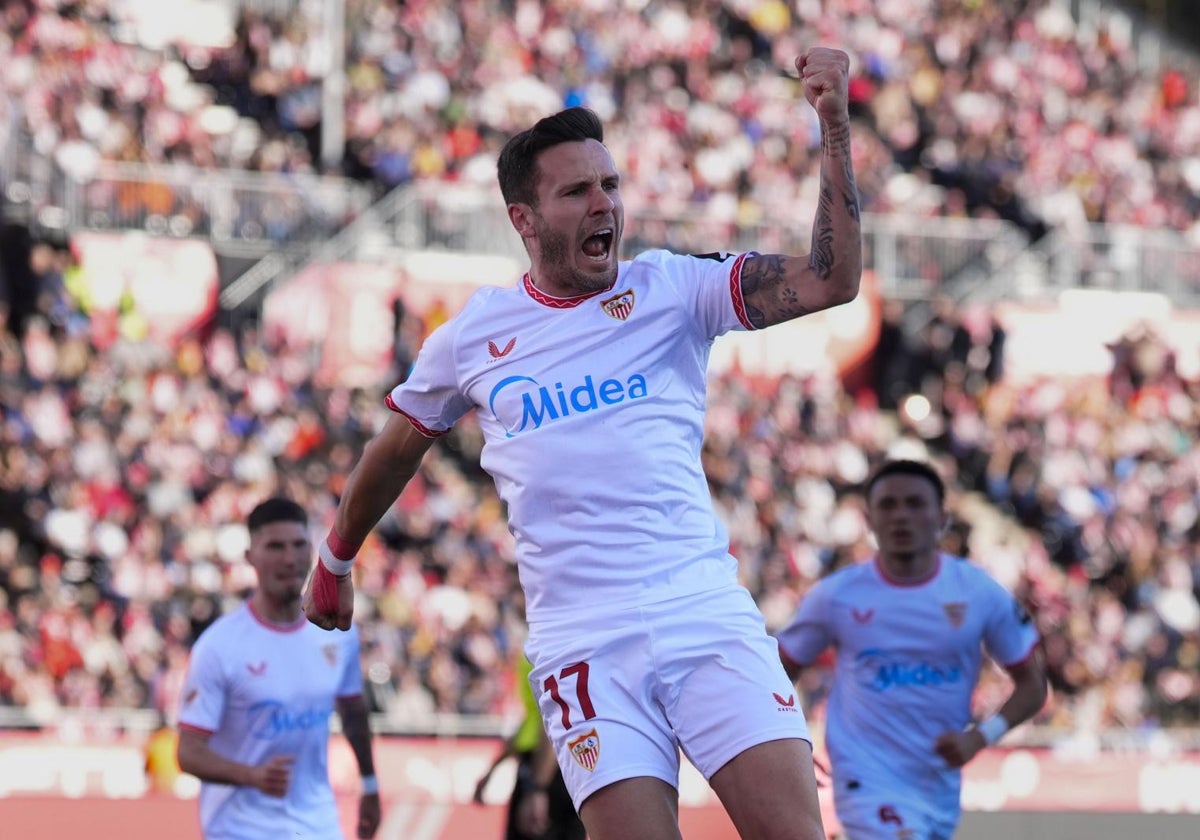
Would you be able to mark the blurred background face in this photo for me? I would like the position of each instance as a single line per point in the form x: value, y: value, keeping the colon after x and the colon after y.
x: 905, y: 515
x: 281, y: 555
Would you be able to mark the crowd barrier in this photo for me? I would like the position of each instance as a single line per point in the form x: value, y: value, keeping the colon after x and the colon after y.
x: 53, y: 788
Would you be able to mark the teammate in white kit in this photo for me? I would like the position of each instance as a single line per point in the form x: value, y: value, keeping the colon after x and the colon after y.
x: 261, y: 685
x: 588, y: 379
x: 908, y: 629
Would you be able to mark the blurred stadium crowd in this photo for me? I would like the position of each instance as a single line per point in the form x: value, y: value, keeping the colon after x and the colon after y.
x: 125, y: 471
x: 1005, y: 108
x: 126, y: 468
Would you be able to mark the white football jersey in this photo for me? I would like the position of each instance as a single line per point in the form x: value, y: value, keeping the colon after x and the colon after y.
x: 261, y: 690
x: 592, y: 411
x: 908, y: 658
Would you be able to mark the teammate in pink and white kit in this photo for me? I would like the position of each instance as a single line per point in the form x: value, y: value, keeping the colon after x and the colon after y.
x: 261, y: 685
x: 909, y: 630
x: 588, y: 379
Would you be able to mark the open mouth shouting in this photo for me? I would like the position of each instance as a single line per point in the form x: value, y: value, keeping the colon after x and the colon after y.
x: 598, y: 247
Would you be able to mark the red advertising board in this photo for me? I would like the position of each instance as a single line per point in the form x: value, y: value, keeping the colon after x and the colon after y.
x: 62, y: 790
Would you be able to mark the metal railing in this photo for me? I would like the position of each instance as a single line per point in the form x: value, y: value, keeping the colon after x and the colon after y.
x: 914, y: 257
x: 1123, y: 258
x: 351, y: 243
x: 254, y: 210
x: 223, y: 205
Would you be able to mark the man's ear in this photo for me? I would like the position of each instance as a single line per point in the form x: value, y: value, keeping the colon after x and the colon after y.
x: 521, y: 216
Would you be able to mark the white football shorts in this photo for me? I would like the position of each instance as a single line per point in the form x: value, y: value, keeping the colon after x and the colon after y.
x: 623, y: 694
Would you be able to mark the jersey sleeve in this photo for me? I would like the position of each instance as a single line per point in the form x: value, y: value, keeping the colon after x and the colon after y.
x: 809, y: 632
x: 430, y: 398
x: 202, y: 704
x: 351, y: 682
x: 711, y: 285
x: 1010, y: 634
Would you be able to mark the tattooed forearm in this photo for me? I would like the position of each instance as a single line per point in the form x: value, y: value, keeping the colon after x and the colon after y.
x: 835, y: 138
x: 835, y: 143
x: 777, y: 288
x: 850, y: 195
x: 821, y: 258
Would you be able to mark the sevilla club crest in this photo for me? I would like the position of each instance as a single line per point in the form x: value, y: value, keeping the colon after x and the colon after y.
x: 586, y: 749
x: 956, y: 611
x: 619, y: 307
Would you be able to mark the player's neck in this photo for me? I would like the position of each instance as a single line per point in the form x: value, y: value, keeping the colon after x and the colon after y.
x: 274, y: 611
x: 909, y: 568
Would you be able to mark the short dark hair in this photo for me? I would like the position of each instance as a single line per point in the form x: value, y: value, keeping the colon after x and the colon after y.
x: 907, y: 467
x: 275, y: 509
x: 517, y: 168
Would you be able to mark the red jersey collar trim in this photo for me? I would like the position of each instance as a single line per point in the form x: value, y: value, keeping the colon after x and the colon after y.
x: 894, y: 581
x: 275, y: 625
x: 556, y: 302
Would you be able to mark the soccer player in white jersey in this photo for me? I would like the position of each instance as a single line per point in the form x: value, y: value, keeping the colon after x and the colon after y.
x: 261, y: 685
x: 588, y: 379
x: 909, y: 628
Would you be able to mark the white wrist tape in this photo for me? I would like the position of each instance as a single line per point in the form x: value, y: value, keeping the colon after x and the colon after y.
x: 992, y: 729
x: 336, y: 567
x: 370, y: 784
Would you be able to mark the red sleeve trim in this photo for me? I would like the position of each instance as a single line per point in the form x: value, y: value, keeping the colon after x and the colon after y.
x: 417, y: 424
x: 200, y: 729
x: 342, y: 697
x: 735, y: 291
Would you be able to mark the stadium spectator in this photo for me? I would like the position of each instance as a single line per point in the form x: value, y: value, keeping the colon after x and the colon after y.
x: 1009, y: 110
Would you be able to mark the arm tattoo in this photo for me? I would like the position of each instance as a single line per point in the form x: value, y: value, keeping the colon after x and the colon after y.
x: 835, y: 142
x: 850, y: 196
x: 768, y: 297
x: 835, y: 139
x: 821, y: 258
x: 771, y: 294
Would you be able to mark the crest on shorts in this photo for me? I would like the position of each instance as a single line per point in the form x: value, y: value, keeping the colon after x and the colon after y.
x: 330, y: 651
x: 586, y: 749
x: 620, y: 306
x: 956, y: 611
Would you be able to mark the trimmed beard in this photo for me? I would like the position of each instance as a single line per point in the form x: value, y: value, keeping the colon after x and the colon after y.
x: 556, y: 256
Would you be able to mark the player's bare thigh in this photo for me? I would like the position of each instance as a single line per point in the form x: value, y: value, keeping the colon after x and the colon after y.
x: 641, y: 808
x: 770, y: 791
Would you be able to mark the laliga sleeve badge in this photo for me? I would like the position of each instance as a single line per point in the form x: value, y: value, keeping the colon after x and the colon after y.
x: 586, y: 749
